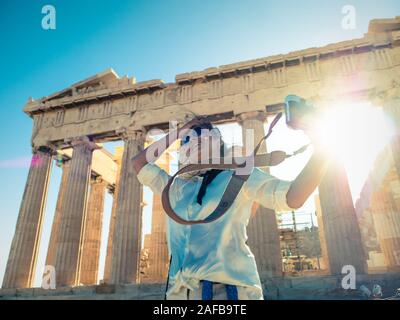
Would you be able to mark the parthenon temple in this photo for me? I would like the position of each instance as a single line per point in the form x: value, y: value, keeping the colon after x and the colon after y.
x: 71, y: 126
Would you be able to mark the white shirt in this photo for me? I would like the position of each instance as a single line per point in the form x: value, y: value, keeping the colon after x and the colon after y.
x: 215, y: 251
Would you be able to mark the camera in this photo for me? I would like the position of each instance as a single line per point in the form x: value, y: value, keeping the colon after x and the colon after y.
x: 297, y: 110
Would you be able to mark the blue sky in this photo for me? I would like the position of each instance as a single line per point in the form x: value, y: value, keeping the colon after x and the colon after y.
x: 146, y: 39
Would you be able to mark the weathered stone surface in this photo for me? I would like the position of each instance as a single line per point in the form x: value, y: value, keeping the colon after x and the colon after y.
x: 156, y: 242
x: 40, y: 292
x: 92, y: 235
x: 341, y: 230
x: 107, y: 267
x: 21, y: 264
x: 25, y: 292
x: 275, y: 288
x: 52, y: 248
x: 105, y: 288
x: 72, y: 225
x: 128, y: 221
x: 104, y: 103
x: 84, y: 290
x: 262, y: 230
x: 8, y: 293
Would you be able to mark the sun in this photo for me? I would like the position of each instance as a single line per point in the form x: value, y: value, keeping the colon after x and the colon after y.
x: 354, y: 134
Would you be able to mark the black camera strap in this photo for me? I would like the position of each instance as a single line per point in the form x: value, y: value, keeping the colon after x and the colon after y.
x: 235, y: 183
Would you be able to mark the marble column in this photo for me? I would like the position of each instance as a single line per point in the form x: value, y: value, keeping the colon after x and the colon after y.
x: 52, y: 248
x: 107, y: 266
x: 386, y: 219
x: 128, y: 221
x: 92, y: 236
x: 156, y: 242
x: 21, y: 264
x: 341, y: 229
x: 388, y: 227
x: 321, y: 235
x: 73, y: 211
x: 391, y: 106
x: 262, y: 230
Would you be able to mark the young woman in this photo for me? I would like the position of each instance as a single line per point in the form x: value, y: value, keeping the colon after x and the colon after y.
x: 212, y: 260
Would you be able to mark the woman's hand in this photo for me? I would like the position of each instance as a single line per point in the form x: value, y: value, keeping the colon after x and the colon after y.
x: 141, y: 159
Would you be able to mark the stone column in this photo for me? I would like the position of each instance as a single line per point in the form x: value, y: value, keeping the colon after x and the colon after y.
x: 262, y: 230
x: 342, y: 233
x: 107, y: 266
x: 321, y: 233
x: 21, y: 265
x: 92, y: 235
x: 52, y: 248
x: 387, y: 225
x: 386, y: 216
x: 73, y: 210
x: 391, y: 106
x: 156, y: 242
x: 128, y: 224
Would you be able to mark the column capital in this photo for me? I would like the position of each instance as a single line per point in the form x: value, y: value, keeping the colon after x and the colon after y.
x: 251, y: 115
x: 49, y: 149
x: 126, y: 133
x: 85, y: 141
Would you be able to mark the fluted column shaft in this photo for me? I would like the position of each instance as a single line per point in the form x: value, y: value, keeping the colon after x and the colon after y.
x: 157, y: 241
x: 128, y: 224
x: 262, y: 230
x: 342, y: 233
x: 52, y: 248
x: 21, y: 265
x: 392, y: 108
x: 387, y: 225
x: 388, y: 228
x: 70, y: 238
x: 321, y: 234
x: 111, y: 229
x: 92, y: 236
x: 107, y: 266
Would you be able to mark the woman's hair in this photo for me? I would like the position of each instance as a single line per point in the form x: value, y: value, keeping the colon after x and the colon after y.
x: 209, y: 175
x: 203, y: 125
x: 208, y: 125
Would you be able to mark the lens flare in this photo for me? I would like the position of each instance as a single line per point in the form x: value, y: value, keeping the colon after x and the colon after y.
x: 354, y: 133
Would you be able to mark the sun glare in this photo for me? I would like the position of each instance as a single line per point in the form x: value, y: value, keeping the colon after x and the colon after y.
x: 355, y: 133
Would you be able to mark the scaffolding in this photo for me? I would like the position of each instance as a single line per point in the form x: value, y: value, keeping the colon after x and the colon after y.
x: 291, y: 242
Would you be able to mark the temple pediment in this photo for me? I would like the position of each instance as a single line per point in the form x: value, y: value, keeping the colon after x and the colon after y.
x: 107, y: 79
